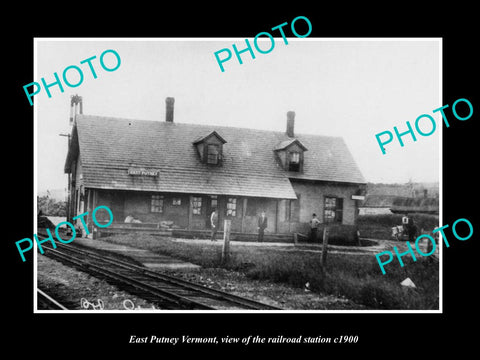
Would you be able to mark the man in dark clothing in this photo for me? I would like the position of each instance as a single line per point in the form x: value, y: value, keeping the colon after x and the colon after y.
x: 410, y: 227
x: 412, y: 230
x: 314, y: 227
x: 262, y: 225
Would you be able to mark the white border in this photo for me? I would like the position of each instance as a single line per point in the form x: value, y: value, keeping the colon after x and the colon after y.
x: 150, y: 311
x: 35, y: 180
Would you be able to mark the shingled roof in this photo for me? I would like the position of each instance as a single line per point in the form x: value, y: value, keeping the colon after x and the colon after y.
x: 109, y: 146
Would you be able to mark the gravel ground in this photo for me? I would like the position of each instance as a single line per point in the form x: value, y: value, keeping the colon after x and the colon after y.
x: 69, y: 286
x: 279, y: 295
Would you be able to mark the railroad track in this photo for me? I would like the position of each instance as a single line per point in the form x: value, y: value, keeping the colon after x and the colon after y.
x: 45, y: 301
x: 166, y: 291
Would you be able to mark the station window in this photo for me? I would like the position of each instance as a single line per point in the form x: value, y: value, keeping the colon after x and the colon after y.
x: 197, y: 205
x: 214, y: 201
x: 156, y: 204
x: 294, y: 161
x: 333, y: 210
x: 232, y: 206
x: 177, y: 201
x: 212, y: 154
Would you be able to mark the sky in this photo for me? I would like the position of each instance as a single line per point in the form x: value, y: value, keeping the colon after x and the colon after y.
x: 353, y: 88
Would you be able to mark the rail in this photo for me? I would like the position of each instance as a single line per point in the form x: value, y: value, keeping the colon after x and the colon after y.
x: 168, y: 291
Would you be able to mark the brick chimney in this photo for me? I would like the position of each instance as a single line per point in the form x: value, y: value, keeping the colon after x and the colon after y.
x: 76, y: 107
x: 169, y: 111
x: 290, y: 123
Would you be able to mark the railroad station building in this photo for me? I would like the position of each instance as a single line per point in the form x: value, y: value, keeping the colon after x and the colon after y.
x: 164, y: 171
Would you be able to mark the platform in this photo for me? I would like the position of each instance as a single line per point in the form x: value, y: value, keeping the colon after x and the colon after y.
x: 147, y: 258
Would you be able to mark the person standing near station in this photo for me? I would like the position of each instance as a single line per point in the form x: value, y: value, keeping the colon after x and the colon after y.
x: 214, y: 224
x: 262, y: 225
x: 314, y: 227
x: 410, y: 227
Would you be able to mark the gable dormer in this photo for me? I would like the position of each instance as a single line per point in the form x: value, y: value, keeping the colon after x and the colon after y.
x: 210, y: 148
x: 290, y: 154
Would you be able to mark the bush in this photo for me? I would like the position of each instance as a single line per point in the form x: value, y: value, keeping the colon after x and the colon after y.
x: 51, y: 207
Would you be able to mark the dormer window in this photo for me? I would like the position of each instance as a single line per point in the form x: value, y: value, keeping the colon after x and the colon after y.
x: 294, y: 161
x: 290, y: 154
x: 210, y: 148
x: 213, y: 154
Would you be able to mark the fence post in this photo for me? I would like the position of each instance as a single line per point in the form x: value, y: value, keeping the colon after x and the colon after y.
x: 323, y: 261
x: 226, y: 240
x: 325, y: 246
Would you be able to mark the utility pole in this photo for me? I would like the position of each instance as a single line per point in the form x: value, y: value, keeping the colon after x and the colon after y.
x: 67, y: 208
x: 76, y: 107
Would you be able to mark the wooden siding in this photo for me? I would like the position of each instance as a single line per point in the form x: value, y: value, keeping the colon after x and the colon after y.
x: 284, y: 215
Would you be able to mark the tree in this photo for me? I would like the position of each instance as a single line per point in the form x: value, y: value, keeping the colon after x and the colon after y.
x: 51, y: 207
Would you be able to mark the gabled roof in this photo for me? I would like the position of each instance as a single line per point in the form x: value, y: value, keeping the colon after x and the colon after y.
x: 205, y: 137
x: 286, y: 143
x: 109, y: 146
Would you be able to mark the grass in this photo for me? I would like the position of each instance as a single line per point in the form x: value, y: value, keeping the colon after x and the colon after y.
x: 356, y: 277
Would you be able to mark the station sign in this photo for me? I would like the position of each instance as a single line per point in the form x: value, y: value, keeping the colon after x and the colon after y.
x: 143, y: 171
x: 358, y: 197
